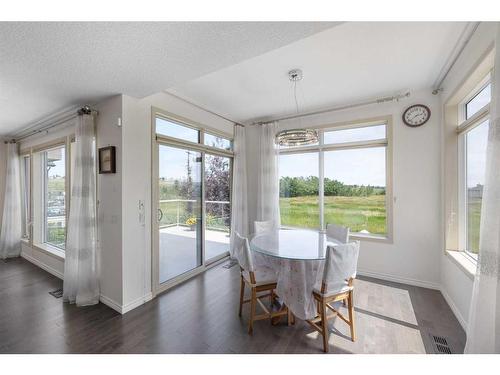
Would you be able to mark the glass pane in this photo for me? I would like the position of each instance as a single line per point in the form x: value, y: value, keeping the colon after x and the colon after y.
x: 217, y: 205
x: 355, y: 189
x: 366, y: 133
x: 478, y: 101
x: 219, y: 142
x: 26, y: 194
x: 299, y: 186
x: 179, y: 212
x: 175, y: 130
x: 476, y: 140
x: 55, y: 196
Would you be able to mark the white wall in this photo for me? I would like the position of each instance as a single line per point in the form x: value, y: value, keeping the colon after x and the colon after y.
x: 3, y: 165
x: 414, y: 255
x: 456, y: 281
x: 136, y: 186
x: 109, y: 196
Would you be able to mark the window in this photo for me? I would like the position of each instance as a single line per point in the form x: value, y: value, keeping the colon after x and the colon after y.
x: 26, y: 194
x: 478, y: 102
x: 475, y: 150
x: 365, y: 133
x: 53, y: 162
x: 218, y: 142
x: 354, y: 189
x: 473, y: 138
x: 299, y: 190
x: 342, y: 180
x: 177, y: 130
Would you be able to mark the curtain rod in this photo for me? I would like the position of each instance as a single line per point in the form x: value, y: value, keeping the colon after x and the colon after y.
x: 203, y: 109
x: 437, y: 86
x: 85, y: 110
x: 339, y: 108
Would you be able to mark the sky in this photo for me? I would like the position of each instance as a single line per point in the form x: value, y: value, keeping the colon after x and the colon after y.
x: 59, y: 168
x: 365, y: 166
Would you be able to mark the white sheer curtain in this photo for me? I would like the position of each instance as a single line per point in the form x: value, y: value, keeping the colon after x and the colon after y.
x: 81, y: 284
x: 239, y: 204
x: 268, y: 208
x: 10, y: 233
x: 483, y: 333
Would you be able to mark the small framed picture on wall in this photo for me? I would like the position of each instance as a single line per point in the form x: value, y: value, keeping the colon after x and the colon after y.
x: 107, y: 160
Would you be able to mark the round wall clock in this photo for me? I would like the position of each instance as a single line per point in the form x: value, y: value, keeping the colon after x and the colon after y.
x: 416, y: 115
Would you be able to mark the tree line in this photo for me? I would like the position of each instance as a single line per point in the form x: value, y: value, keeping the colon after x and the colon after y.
x: 303, y: 186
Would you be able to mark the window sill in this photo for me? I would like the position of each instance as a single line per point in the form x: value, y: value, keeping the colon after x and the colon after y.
x: 463, y: 261
x: 50, y: 250
x: 367, y: 237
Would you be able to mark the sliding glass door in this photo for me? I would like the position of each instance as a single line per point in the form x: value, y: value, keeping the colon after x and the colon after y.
x: 191, y: 199
x: 179, y: 211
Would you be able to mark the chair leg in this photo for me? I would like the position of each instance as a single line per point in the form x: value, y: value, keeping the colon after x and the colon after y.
x: 252, y: 311
x: 242, y: 294
x: 324, y: 325
x: 350, y: 303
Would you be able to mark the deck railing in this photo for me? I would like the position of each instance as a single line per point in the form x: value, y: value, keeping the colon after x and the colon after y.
x: 176, y: 212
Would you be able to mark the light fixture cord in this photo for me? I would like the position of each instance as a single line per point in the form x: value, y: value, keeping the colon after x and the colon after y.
x: 296, y: 101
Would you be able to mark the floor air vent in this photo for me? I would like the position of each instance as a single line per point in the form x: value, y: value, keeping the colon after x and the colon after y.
x: 230, y: 264
x: 441, y: 345
x: 58, y: 293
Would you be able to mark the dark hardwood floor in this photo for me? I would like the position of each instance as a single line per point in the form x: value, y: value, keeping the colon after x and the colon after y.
x: 200, y: 316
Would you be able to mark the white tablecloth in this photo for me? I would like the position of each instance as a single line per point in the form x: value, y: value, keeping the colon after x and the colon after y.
x: 296, y: 281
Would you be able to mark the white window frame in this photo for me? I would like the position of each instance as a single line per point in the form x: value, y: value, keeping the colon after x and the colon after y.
x: 463, y: 128
x: 321, y: 148
x: 36, y: 238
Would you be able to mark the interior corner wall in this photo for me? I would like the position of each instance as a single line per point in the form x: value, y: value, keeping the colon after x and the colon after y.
x: 137, y: 185
x: 109, y: 196
x: 456, y: 284
x: 413, y: 257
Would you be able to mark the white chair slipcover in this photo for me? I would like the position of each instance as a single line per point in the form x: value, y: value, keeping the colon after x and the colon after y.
x: 242, y: 253
x: 340, y: 264
x: 338, y: 232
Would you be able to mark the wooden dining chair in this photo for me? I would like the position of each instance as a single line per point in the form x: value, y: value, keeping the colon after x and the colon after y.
x: 263, y: 226
x: 338, y: 232
x: 336, y: 285
x: 262, y: 280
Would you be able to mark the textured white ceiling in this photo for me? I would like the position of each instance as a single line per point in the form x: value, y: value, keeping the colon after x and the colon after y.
x: 351, y: 62
x: 47, y: 67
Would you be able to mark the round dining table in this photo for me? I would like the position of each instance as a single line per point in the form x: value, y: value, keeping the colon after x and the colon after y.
x: 297, y: 257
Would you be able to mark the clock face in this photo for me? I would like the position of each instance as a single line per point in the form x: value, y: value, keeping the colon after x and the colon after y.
x: 416, y: 115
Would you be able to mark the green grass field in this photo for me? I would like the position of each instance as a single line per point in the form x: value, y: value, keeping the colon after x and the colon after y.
x: 358, y: 213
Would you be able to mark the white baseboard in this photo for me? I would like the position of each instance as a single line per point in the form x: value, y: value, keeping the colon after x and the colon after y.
x: 42, y: 265
x: 454, y: 308
x: 137, y: 302
x: 111, y: 303
x: 399, y: 279
x: 122, y: 309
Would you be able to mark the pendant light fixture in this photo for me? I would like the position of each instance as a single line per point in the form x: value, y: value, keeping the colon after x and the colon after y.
x: 296, y: 137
